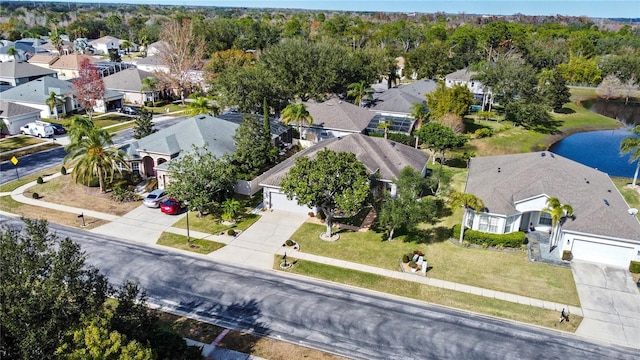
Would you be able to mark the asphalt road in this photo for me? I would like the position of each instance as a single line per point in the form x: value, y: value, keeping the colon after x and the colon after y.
x: 42, y: 160
x: 342, y: 320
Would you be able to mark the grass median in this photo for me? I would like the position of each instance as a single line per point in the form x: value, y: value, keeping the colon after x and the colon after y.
x: 413, y: 290
x: 199, y: 246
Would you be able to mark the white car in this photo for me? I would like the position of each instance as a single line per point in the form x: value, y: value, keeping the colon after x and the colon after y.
x: 155, y: 198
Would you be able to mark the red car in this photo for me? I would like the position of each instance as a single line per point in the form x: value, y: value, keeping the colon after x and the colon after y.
x: 171, y: 206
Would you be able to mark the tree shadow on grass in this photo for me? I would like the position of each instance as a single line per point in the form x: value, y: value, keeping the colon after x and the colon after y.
x: 550, y: 127
x: 470, y: 127
x: 427, y: 236
x: 565, y: 111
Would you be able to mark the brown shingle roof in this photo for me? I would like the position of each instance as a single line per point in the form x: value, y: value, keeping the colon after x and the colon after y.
x: 43, y: 59
x: 598, y: 206
x: 71, y: 62
x: 377, y: 154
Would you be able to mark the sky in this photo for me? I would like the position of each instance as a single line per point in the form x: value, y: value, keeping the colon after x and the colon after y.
x: 590, y: 8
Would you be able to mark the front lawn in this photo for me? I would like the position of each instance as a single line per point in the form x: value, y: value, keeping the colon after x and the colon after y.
x: 212, y: 224
x: 456, y: 299
x: 509, y: 272
x: 17, y: 142
x: 631, y: 196
x: 199, y: 246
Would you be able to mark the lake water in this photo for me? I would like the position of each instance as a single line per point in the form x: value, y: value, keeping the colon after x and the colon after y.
x: 598, y: 149
x: 601, y: 149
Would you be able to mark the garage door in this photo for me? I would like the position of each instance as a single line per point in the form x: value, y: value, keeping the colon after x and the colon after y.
x: 279, y: 201
x: 601, y: 253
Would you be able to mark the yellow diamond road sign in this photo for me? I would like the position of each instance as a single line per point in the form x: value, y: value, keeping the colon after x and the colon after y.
x: 14, y: 160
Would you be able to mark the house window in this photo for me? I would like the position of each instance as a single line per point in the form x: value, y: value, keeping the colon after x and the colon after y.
x: 135, y: 167
x: 470, y: 216
x: 493, y: 225
x: 483, y: 223
x: 545, y: 219
x: 509, y: 224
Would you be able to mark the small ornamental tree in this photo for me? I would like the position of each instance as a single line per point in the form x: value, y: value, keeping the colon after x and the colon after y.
x: 144, y: 125
x: 254, y: 151
x: 330, y: 181
x: 89, y: 86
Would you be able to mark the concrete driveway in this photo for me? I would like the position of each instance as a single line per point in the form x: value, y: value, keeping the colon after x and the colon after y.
x: 610, y: 303
x: 141, y: 224
x: 256, y: 246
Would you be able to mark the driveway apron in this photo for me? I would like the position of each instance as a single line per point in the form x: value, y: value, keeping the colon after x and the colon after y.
x: 610, y: 303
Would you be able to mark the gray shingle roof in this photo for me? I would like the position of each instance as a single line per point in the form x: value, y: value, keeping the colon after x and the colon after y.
x: 127, y: 80
x: 400, y: 99
x: 16, y: 70
x: 339, y: 115
x: 150, y: 60
x: 195, y: 131
x: 38, y: 90
x: 523, y: 176
x: 9, y: 109
x: 375, y: 153
x: 461, y: 75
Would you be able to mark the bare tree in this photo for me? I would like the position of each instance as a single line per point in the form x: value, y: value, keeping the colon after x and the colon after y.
x: 181, y: 51
x: 610, y: 88
x: 630, y: 89
x: 453, y: 121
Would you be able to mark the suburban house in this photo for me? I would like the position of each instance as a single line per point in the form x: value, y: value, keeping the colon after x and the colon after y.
x: 150, y: 156
x: 67, y: 66
x: 14, y: 73
x: 156, y: 48
x: 35, y: 94
x: 396, y: 104
x: 151, y: 64
x: 14, y: 116
x: 334, y: 118
x: 104, y: 44
x: 20, y: 55
x: 130, y: 83
x: 43, y: 60
x: 379, y: 155
x: 481, y: 93
x: 515, y: 189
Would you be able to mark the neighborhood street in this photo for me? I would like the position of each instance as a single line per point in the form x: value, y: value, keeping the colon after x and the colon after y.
x: 347, y: 321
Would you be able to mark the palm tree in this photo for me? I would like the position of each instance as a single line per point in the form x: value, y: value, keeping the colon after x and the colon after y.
x: 202, y: 105
x: 385, y: 125
x: 231, y: 208
x: 13, y: 52
x: 79, y: 126
x: 632, y: 145
x: 56, y: 40
x: 468, y: 201
x: 126, y: 45
x: 296, y: 113
x: 53, y: 100
x: 359, y: 91
x: 95, y: 157
x: 150, y: 84
x: 420, y: 113
x: 558, y: 212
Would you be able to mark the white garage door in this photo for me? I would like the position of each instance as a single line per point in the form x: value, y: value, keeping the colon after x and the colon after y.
x: 279, y: 201
x: 601, y: 253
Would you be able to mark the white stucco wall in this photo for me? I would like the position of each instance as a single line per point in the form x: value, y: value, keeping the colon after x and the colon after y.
x: 15, y: 122
x: 612, y: 251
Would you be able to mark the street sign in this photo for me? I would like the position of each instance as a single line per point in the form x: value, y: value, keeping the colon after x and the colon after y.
x: 14, y: 160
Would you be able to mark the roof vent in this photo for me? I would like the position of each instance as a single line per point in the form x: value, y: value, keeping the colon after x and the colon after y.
x: 606, y: 202
x: 542, y: 154
x: 498, y: 169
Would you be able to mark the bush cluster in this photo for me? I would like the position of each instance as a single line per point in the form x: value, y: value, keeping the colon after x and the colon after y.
x: 289, y: 242
x: 231, y: 232
x: 35, y: 195
x: 634, y: 267
x: 122, y: 194
x: 40, y: 180
x: 482, y: 133
x: 511, y: 240
x: 405, y: 259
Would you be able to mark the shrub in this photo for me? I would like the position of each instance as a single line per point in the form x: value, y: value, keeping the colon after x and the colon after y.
x: 63, y: 170
x: 289, y: 242
x: 122, y: 194
x: 482, y: 133
x: 466, y: 244
x: 35, y: 195
x: 634, y: 267
x: 405, y: 259
x: 320, y: 215
x: 231, y: 232
x: 413, y: 265
x: 566, y: 255
x: 40, y: 180
x: 311, y: 214
x: 500, y: 246
x: 485, y: 245
x: 511, y: 240
x: 418, y: 252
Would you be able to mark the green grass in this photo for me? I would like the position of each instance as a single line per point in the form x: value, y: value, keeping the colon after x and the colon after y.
x: 25, y: 152
x: 509, y: 272
x: 199, y: 246
x: 17, y: 142
x: 631, y: 196
x: 160, y: 110
x: 211, y: 224
x: 12, y: 185
x: 456, y: 299
x: 115, y: 129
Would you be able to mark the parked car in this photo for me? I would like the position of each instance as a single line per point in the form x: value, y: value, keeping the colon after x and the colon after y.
x: 172, y: 206
x: 155, y: 198
x: 128, y: 110
x: 58, y: 129
x: 38, y: 128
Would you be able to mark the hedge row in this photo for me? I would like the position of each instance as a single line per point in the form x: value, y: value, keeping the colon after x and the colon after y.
x: 511, y: 240
x: 634, y: 267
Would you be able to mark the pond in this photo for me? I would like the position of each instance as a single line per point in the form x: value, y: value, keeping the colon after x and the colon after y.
x: 601, y: 149
x: 598, y: 149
